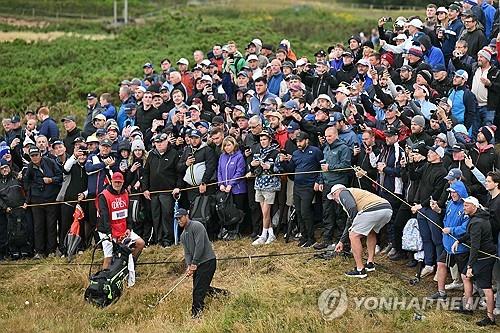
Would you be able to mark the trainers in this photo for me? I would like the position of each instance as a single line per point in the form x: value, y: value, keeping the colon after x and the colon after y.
x: 391, y: 252
x: 435, y: 278
x: 399, y: 255
x: 270, y: 239
x: 370, y: 267
x: 301, y: 242
x: 386, y: 249
x: 357, y: 274
x: 320, y: 246
x: 308, y: 244
x: 412, y: 263
x: 461, y: 309
x: 427, y: 270
x: 38, y: 256
x: 259, y: 241
x: 438, y: 296
x: 455, y: 285
x: 51, y: 255
x: 496, y: 312
x: 487, y: 321
x: 377, y: 249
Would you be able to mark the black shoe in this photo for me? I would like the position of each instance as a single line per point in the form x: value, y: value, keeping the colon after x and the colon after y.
x: 412, y: 263
x: 486, y: 322
x: 437, y: 296
x: 370, y: 267
x: 308, y: 244
x: 357, y: 274
x: 301, y: 242
x: 400, y: 255
x: 320, y: 246
x: 462, y: 310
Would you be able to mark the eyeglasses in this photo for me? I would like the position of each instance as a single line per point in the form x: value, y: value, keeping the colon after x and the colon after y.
x: 469, y: 21
x: 253, y: 127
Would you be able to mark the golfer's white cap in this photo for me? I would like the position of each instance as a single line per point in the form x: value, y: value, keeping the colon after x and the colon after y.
x: 473, y: 200
x: 334, y: 189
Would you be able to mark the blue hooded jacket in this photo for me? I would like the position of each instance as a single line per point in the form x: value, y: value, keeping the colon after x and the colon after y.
x: 455, y: 219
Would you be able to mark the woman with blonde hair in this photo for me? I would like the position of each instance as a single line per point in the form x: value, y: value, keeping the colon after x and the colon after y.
x: 133, y: 177
x: 230, y: 170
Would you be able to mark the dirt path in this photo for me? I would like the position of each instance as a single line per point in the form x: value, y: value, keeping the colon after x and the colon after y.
x: 46, y: 36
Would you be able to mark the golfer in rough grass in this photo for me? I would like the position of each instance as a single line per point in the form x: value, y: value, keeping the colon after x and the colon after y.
x: 367, y: 215
x: 200, y: 260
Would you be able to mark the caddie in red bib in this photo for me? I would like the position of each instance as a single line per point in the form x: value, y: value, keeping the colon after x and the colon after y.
x: 112, y: 222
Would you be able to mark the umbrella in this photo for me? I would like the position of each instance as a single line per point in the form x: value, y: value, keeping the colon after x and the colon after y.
x: 176, y: 223
x: 73, y: 238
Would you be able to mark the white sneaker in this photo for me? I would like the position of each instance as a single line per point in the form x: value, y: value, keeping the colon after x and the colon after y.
x: 259, y: 241
x: 435, y: 277
x: 270, y: 239
x: 426, y: 271
x: 454, y: 285
x: 377, y: 249
x: 496, y: 312
x: 391, y: 252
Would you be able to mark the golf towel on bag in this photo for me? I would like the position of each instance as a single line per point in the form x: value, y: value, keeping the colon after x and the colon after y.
x: 412, y: 241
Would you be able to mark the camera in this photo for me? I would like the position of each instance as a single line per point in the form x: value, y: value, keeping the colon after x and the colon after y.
x: 230, y: 56
x: 228, y: 105
x: 387, y: 19
x: 188, y: 114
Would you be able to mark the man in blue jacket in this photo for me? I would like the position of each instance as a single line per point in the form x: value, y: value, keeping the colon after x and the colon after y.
x: 306, y: 158
x: 463, y: 102
x: 454, y: 225
x: 48, y: 126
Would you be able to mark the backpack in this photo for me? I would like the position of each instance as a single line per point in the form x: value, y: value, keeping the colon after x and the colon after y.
x: 412, y: 241
x: 201, y: 209
x: 106, y: 286
x: 17, y: 230
x: 227, y: 211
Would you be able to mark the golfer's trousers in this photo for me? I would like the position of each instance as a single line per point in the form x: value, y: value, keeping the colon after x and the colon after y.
x: 202, y: 278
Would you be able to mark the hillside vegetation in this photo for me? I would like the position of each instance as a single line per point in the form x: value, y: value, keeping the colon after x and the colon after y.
x: 61, y: 72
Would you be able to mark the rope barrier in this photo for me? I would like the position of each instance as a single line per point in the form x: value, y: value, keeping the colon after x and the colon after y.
x: 173, y: 262
x: 192, y: 187
x: 359, y: 169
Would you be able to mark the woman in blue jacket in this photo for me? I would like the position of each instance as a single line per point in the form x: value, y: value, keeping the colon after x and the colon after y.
x: 232, y: 165
x: 454, y: 226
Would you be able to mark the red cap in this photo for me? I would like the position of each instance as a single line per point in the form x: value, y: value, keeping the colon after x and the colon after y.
x: 117, y: 177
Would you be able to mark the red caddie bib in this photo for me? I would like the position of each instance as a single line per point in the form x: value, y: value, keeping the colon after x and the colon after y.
x: 118, y: 212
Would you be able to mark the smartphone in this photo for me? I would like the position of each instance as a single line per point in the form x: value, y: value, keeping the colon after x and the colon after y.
x: 188, y: 114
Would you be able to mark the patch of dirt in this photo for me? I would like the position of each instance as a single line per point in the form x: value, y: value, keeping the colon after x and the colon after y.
x: 46, y: 36
x: 23, y: 23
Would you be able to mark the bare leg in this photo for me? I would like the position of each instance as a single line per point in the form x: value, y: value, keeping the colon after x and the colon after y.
x: 106, y: 263
x: 357, y: 249
x: 467, y: 290
x: 371, y: 242
x: 442, y: 272
x: 139, y: 246
x: 490, y: 303
x: 266, y: 215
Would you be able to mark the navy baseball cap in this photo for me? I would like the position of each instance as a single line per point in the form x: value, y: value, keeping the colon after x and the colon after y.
x: 293, y: 126
x: 180, y: 212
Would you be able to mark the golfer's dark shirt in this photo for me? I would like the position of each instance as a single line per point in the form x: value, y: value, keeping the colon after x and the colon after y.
x: 197, y: 246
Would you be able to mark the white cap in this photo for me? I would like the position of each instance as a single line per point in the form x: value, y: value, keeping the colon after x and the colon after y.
x: 343, y: 90
x: 257, y: 42
x: 300, y: 62
x: 183, y: 61
x: 400, y: 37
x: 206, y: 78
x: 363, y: 62
x: 252, y: 57
x: 334, y: 189
x: 473, y: 200
x: 442, y: 10
x: 141, y: 88
x: 416, y: 23
x: 205, y: 62
x: 325, y: 96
